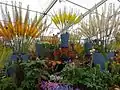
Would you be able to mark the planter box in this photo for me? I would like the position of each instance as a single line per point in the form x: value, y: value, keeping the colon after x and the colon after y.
x: 98, y: 58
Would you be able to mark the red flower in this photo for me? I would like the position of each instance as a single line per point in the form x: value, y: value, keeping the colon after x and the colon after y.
x: 56, y: 53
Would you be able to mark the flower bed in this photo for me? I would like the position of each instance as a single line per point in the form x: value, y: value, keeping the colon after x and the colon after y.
x: 56, y: 86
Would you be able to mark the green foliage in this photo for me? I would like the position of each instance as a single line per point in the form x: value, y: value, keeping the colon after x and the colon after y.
x: 115, y: 68
x: 34, y: 71
x: 26, y: 76
x: 5, y: 52
x: 93, y: 78
x: 47, y: 45
x: 7, y: 83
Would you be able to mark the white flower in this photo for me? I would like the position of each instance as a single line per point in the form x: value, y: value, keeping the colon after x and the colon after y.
x: 52, y: 77
x: 117, y: 89
x: 58, y: 77
x: 91, y: 53
x: 93, y: 49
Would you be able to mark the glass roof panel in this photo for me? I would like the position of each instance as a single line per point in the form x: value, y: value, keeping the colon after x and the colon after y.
x: 41, y: 5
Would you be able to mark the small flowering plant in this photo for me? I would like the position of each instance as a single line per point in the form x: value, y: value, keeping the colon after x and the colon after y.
x: 52, y: 84
x: 117, y: 56
x: 92, y: 51
x: 115, y: 67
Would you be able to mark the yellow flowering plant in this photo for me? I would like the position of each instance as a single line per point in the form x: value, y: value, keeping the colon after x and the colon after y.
x: 64, y: 19
x: 20, y: 33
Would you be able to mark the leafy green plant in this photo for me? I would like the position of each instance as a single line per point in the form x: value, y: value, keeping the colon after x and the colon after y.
x: 23, y: 76
x: 5, y: 53
x: 7, y: 83
x: 34, y: 72
x: 93, y: 78
x: 115, y: 68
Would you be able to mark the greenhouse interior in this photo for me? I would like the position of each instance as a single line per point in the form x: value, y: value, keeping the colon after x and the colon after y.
x: 59, y: 45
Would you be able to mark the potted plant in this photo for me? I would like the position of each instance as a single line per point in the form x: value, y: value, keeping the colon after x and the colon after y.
x: 100, y: 30
x: 63, y: 21
x: 20, y: 34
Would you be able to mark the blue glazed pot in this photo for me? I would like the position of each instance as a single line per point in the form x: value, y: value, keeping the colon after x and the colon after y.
x: 14, y: 57
x: 24, y: 57
x: 64, y: 39
x: 38, y: 46
x: 41, y: 51
x: 98, y: 58
x: 11, y: 71
x: 87, y: 47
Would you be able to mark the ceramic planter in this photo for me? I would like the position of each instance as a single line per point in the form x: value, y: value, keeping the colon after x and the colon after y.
x: 22, y: 56
x: 10, y: 71
x: 25, y: 57
x: 14, y: 57
x: 41, y: 51
x: 98, y: 58
x: 87, y: 47
x: 64, y: 40
x: 38, y: 47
